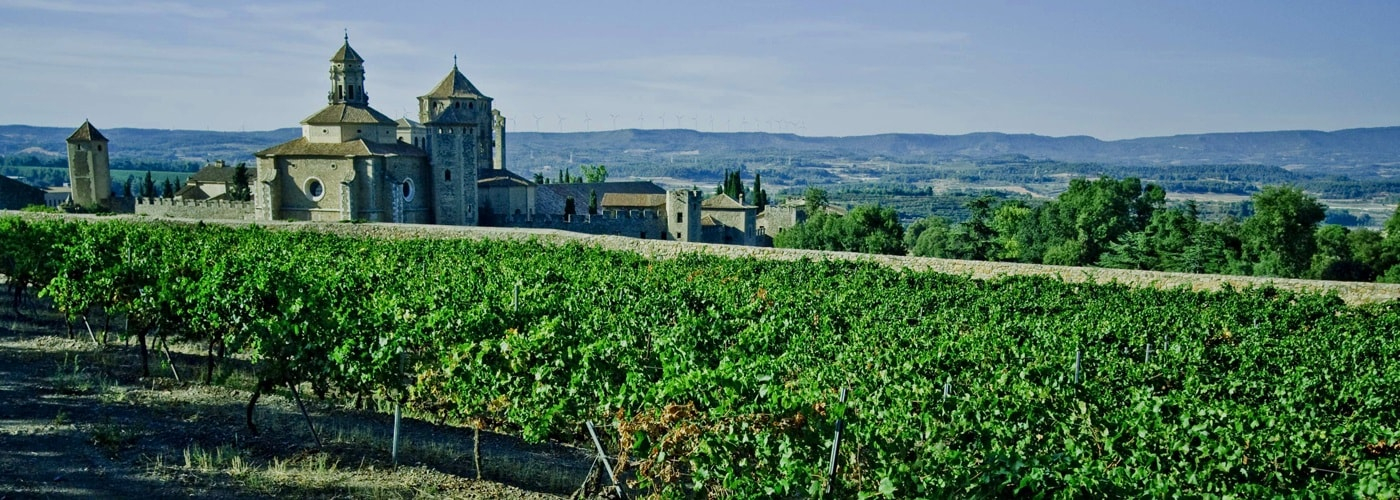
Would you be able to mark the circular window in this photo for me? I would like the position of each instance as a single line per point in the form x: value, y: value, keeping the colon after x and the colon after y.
x: 315, y: 189
x: 407, y: 189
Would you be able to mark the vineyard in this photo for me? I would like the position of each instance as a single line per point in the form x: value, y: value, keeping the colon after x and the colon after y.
x: 722, y: 377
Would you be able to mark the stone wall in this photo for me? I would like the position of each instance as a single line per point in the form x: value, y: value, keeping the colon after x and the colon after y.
x: 646, y: 224
x: 195, y: 209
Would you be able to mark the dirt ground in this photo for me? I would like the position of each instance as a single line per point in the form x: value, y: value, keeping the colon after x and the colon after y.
x: 76, y: 421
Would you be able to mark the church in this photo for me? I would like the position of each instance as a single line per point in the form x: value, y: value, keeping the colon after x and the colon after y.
x: 354, y: 163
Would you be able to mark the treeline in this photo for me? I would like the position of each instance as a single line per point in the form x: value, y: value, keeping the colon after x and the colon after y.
x: 1122, y: 223
x: 60, y: 161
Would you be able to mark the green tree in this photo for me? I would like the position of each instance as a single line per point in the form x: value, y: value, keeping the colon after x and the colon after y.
x: 592, y: 202
x: 148, y: 188
x: 928, y: 237
x: 240, y: 189
x: 815, y: 199
x: 760, y: 197
x: 595, y: 173
x: 539, y: 178
x: 1279, y: 236
x: 569, y: 206
x: 126, y: 186
x: 868, y: 229
x: 167, y: 189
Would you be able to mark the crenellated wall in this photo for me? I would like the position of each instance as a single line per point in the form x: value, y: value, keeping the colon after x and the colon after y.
x: 645, y: 224
x: 195, y: 209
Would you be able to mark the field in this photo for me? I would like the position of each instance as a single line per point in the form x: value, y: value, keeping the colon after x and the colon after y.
x: 721, y: 377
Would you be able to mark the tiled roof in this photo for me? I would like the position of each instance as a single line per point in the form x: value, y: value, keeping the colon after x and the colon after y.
x: 455, y: 85
x: 708, y: 221
x: 86, y: 132
x: 723, y: 201
x: 216, y: 174
x: 490, y: 177
x: 15, y: 194
x: 358, y: 147
x: 405, y: 122
x: 337, y: 114
x: 632, y: 200
x: 346, y: 54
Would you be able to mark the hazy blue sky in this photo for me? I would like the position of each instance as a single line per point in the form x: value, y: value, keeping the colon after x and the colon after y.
x: 1111, y: 69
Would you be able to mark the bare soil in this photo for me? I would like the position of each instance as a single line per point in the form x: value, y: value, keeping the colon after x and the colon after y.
x: 77, y: 422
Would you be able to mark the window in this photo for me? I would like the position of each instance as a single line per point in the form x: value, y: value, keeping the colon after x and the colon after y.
x: 644, y: 235
x: 314, y: 189
x: 447, y: 175
x: 678, y: 236
x: 99, y: 147
x: 406, y: 189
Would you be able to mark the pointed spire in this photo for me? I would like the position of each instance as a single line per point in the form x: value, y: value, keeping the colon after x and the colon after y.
x: 347, y: 35
x: 86, y: 132
x: 454, y: 62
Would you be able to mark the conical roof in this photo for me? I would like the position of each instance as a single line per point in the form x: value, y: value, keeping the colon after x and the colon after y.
x: 346, y: 54
x: 85, y: 133
x: 455, y: 85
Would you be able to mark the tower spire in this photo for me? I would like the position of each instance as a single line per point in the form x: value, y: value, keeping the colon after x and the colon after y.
x: 347, y: 35
x: 454, y: 62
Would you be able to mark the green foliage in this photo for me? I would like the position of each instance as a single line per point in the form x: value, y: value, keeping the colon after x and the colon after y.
x: 867, y: 229
x: 595, y: 173
x: 720, y: 376
x: 241, y: 188
x: 1279, y: 236
x: 148, y: 188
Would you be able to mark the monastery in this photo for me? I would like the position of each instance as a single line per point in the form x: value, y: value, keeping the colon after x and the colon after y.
x: 353, y: 163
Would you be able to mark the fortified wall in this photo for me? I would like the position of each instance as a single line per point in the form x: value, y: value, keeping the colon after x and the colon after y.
x: 195, y: 209
x: 643, y: 224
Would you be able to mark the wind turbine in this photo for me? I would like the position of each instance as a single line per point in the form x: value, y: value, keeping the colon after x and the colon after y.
x: 678, y: 121
x: 537, y: 123
x: 641, y: 120
x: 614, y: 117
x: 694, y: 122
x: 663, y: 120
x: 586, y: 121
x: 561, y: 123
x: 712, y: 123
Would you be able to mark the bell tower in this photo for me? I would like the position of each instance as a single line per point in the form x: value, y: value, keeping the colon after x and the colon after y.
x: 458, y: 120
x: 347, y: 77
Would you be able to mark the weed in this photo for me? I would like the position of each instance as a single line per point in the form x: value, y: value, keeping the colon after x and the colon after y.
x: 61, y: 418
x: 222, y: 459
x: 72, y: 378
x: 111, y: 437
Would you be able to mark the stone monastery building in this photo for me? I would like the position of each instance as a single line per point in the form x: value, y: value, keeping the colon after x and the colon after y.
x: 354, y: 163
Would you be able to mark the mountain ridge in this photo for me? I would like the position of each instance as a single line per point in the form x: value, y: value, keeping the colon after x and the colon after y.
x: 1342, y: 149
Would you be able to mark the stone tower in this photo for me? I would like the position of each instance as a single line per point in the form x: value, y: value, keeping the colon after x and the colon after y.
x: 459, y: 124
x: 88, y: 172
x: 683, y: 215
x: 498, y: 134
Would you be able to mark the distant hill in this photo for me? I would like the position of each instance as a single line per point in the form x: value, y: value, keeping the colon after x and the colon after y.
x: 1365, y: 149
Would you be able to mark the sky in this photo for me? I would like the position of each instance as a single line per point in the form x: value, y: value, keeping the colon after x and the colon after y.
x: 1108, y: 69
